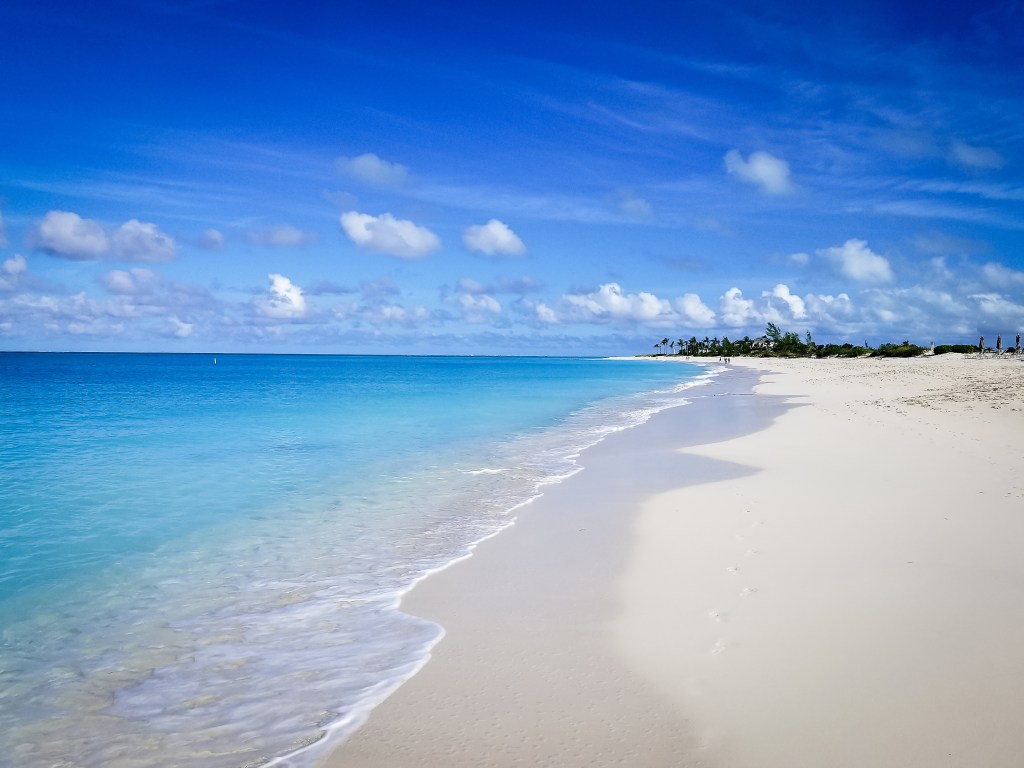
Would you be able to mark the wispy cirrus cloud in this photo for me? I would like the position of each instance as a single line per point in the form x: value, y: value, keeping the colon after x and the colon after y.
x: 282, y: 236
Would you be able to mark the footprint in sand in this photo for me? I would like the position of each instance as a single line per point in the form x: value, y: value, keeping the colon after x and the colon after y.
x: 733, y: 570
x: 751, y: 552
x: 713, y: 614
x: 747, y: 591
x: 717, y: 648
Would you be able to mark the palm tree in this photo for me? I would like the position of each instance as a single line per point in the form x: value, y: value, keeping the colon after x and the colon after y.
x: 680, y: 343
x: 671, y: 346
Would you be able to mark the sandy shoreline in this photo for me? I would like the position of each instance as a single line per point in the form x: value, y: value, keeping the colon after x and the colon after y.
x: 825, y: 573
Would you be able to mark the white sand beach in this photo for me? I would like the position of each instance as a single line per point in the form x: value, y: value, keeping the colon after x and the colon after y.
x: 827, y: 572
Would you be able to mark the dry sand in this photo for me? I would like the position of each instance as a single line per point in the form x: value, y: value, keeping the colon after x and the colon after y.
x: 827, y: 573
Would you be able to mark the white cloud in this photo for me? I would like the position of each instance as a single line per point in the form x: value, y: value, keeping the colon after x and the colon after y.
x: 545, y: 313
x: 284, y: 299
x: 768, y: 172
x: 66, y: 234
x: 370, y: 169
x: 609, y: 302
x: 139, y: 241
x: 800, y: 258
x: 131, y: 282
x: 998, y: 275
x: 11, y: 271
x: 15, y: 265
x: 1000, y: 309
x: 829, y: 308
x: 3, y: 231
x: 479, y: 308
x: 636, y: 207
x: 736, y: 311
x: 858, y: 262
x: 695, y: 311
x: 383, y: 314
x: 211, y: 240
x: 795, y: 305
x: 284, y: 236
x: 469, y: 285
x: 939, y: 268
x: 386, y: 234
x: 180, y: 329
x: 975, y: 158
x: 493, y: 238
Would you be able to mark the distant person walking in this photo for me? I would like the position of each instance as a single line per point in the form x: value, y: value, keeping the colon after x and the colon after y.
x: 999, y: 345
x: 981, y: 345
x: 1016, y: 347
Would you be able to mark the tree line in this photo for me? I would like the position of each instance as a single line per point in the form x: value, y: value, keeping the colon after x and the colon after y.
x: 779, y: 343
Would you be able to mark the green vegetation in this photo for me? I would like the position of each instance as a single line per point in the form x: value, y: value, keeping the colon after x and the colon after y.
x: 779, y: 343
x: 906, y: 349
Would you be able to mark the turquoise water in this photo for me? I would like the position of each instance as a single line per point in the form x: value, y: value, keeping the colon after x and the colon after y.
x: 200, y: 563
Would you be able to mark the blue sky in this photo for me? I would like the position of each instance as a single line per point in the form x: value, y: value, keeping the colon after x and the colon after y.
x: 579, y: 178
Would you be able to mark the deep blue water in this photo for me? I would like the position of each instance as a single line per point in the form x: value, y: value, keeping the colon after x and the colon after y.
x: 200, y: 563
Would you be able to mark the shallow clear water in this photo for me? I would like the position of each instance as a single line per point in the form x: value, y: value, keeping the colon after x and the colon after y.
x: 200, y: 563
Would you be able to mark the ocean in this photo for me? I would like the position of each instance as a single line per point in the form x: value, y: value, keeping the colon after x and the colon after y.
x: 202, y: 558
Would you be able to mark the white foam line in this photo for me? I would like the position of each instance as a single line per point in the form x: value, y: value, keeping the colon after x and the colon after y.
x: 358, y: 715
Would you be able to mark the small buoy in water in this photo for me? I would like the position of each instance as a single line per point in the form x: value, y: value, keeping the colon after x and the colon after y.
x: 215, y: 361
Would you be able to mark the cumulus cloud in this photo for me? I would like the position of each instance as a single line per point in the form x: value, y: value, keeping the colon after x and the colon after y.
x: 68, y: 235
x: 133, y: 282
x: 493, y: 239
x: 695, y: 311
x: 11, y: 271
x: 609, y: 302
x: 858, y: 262
x: 370, y: 169
x: 975, y: 158
x: 139, y: 241
x: 766, y: 171
x: 478, y: 308
x: 797, y: 310
x: 736, y: 311
x: 386, y: 234
x: 284, y: 299
x: 545, y: 313
x: 284, y: 236
x: 800, y: 258
x: 211, y: 240
x: 15, y: 265
x: 829, y: 308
